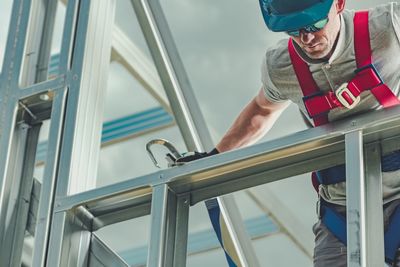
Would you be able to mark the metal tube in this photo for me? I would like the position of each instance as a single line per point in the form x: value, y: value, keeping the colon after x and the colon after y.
x: 87, y: 45
x: 159, y: 206
x: 355, y: 200
x: 24, y: 197
x: 185, y: 107
x: 182, y: 224
x: 39, y: 41
x: 263, y: 163
x: 14, y: 174
x: 8, y: 104
x: 172, y: 73
x: 375, y: 254
x: 49, y: 179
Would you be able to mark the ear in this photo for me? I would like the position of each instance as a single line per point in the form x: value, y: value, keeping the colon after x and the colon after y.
x: 340, y: 5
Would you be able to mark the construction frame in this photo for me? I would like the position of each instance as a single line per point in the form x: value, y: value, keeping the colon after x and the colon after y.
x: 70, y: 210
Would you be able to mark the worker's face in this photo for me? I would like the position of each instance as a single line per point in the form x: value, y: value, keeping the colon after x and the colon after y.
x: 320, y: 44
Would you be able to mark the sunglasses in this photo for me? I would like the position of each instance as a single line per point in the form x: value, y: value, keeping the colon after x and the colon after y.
x: 317, y: 26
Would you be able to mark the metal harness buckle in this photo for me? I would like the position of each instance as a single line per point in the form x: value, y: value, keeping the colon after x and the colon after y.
x: 343, y: 89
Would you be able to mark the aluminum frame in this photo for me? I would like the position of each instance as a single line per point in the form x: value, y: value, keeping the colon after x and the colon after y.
x: 267, y: 162
x: 23, y: 82
x: 67, y: 216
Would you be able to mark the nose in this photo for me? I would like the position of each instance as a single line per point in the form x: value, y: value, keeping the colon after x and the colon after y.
x: 306, y: 37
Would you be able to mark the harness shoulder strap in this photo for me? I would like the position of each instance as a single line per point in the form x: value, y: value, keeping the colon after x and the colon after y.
x: 306, y: 81
x: 363, y: 52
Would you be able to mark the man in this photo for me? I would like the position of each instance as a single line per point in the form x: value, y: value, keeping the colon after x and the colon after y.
x: 329, y: 68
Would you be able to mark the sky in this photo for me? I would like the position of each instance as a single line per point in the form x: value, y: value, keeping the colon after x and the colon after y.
x: 222, y: 44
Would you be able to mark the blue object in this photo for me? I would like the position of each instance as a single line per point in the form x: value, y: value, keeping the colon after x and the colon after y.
x: 214, y: 213
x: 289, y: 15
x: 337, y: 174
x: 336, y: 223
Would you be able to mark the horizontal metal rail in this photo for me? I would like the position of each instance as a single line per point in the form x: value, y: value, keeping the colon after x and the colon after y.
x: 292, y: 155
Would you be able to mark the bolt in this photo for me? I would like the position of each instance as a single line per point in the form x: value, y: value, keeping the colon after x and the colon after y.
x: 44, y: 97
x: 75, y: 77
x: 353, y: 123
x: 161, y: 176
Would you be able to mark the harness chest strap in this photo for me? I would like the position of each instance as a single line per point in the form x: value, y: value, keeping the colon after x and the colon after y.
x: 318, y: 104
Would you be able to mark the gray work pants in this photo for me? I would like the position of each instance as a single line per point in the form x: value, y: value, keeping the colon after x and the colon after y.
x: 329, y: 251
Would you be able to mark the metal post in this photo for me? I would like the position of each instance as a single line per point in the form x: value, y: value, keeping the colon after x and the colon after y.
x: 356, y: 201
x: 156, y: 254
x: 181, y: 230
x: 85, y: 55
x: 23, y: 198
x: 186, y: 110
x: 8, y: 105
x: 169, y: 222
x: 49, y: 179
x: 375, y: 254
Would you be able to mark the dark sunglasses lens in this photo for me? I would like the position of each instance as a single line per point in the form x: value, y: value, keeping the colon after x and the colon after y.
x: 317, y: 26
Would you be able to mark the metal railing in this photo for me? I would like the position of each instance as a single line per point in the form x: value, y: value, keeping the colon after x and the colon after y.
x: 345, y: 141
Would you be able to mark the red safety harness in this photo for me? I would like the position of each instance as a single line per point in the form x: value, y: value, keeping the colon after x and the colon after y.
x: 318, y: 103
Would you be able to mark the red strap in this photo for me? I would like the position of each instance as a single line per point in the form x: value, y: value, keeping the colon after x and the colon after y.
x: 307, y: 83
x: 363, y: 51
x: 303, y: 73
x: 362, y: 45
x: 365, y: 79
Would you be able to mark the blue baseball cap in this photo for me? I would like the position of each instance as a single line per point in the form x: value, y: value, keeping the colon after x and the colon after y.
x: 290, y: 15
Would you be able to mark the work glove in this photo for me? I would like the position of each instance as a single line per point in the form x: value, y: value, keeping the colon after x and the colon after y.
x: 191, y: 156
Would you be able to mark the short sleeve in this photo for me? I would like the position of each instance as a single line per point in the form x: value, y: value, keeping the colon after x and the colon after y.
x: 396, y: 19
x: 270, y: 91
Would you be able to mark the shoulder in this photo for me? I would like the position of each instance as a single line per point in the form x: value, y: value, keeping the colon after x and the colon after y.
x: 384, y: 17
x: 278, y: 55
x: 277, y: 61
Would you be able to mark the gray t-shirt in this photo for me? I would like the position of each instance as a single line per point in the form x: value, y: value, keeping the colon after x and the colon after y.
x: 280, y: 83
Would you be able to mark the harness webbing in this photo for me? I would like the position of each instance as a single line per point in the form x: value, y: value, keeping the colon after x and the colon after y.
x: 307, y: 83
x: 363, y: 51
x: 336, y: 223
x: 318, y: 104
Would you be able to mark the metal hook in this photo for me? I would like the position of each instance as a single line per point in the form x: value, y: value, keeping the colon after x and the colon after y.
x: 165, y: 143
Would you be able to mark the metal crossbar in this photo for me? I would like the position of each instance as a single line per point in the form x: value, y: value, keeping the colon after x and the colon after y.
x: 268, y: 162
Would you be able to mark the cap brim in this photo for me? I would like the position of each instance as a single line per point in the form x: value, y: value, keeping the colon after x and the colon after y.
x: 298, y: 20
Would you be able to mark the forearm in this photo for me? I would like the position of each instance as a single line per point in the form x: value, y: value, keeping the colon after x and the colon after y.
x: 250, y: 126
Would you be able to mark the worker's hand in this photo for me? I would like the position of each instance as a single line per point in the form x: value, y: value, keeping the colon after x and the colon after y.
x: 196, y: 155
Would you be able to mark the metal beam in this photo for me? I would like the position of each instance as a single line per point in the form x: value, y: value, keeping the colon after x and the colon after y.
x: 263, y: 163
x: 102, y: 255
x: 355, y: 200
x: 125, y: 52
x: 188, y: 114
x: 374, y: 203
x: 85, y: 55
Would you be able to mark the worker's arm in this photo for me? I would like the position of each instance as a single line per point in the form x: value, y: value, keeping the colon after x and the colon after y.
x: 255, y: 120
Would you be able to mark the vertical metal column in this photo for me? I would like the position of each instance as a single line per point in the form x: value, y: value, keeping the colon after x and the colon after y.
x: 186, y: 110
x: 23, y: 198
x: 168, y: 239
x: 85, y: 55
x: 8, y: 107
x: 355, y: 201
x: 375, y: 252
x: 17, y: 157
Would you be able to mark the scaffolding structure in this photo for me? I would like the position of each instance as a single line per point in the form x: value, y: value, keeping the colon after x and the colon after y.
x: 69, y: 210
